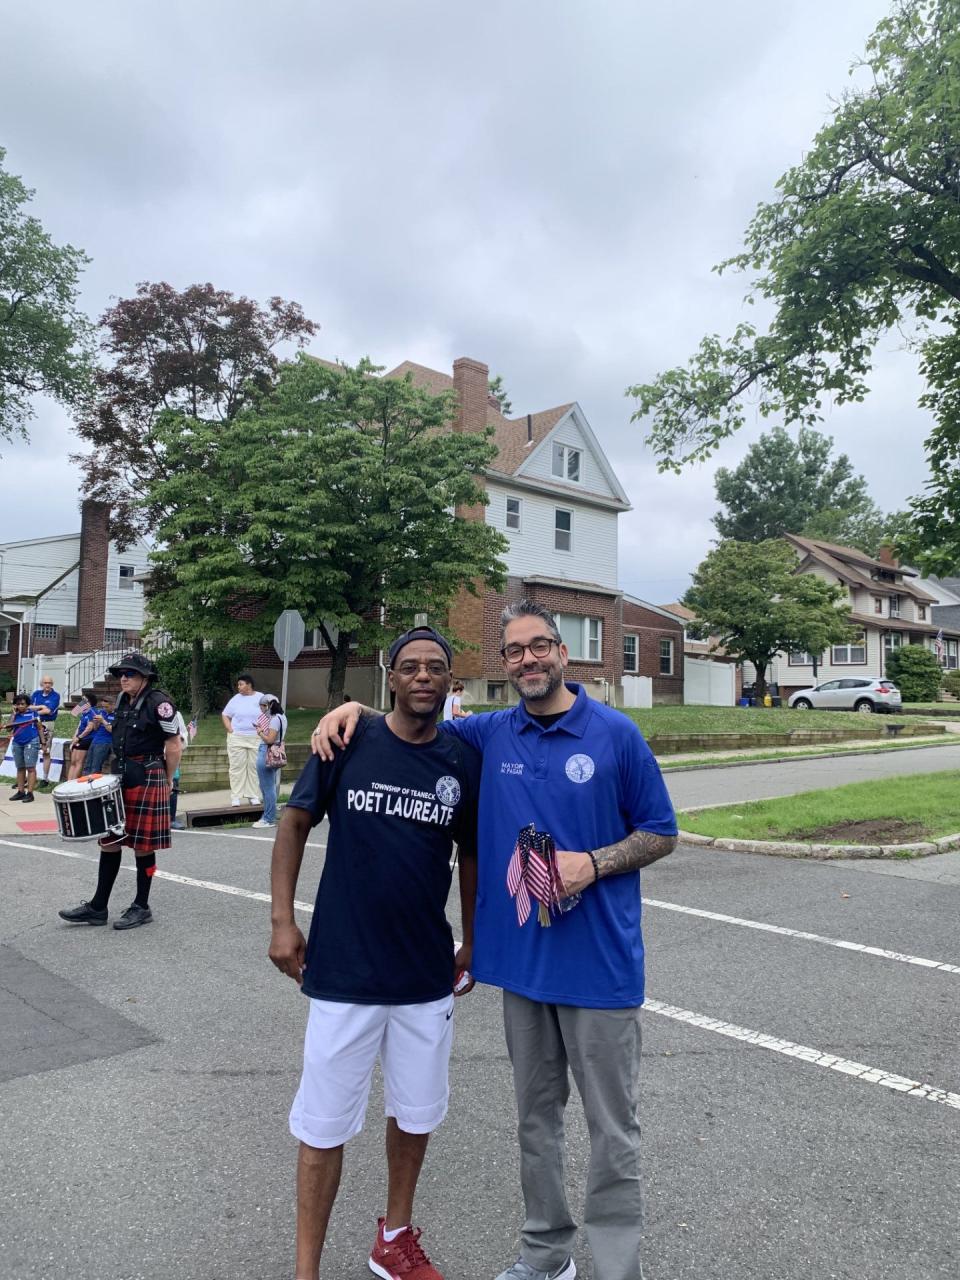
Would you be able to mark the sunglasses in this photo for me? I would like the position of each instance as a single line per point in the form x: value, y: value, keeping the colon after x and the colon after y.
x: 128, y: 675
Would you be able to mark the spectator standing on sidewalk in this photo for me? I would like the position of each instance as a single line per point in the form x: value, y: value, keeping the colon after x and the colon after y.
x: 45, y: 701
x: 271, y: 730
x: 25, y: 744
x: 101, y: 740
x: 240, y: 717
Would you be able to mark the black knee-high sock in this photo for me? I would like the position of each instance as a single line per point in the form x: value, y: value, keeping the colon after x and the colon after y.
x: 109, y: 870
x: 146, y: 866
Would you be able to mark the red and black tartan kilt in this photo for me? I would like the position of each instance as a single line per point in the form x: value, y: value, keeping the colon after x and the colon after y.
x: 147, y: 826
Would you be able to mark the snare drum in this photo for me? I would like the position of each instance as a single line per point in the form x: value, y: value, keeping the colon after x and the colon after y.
x: 89, y: 807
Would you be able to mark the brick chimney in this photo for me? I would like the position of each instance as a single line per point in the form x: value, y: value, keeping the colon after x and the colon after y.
x: 886, y: 556
x: 92, y: 586
x: 471, y: 382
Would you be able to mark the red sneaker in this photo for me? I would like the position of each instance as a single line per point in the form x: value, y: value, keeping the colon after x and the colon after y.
x: 401, y: 1258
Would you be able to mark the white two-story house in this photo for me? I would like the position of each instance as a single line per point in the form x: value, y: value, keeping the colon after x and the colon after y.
x: 69, y: 594
x: 553, y: 493
x: 887, y: 608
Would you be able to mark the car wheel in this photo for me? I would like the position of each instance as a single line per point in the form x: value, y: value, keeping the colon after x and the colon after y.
x: 803, y: 704
x: 864, y: 706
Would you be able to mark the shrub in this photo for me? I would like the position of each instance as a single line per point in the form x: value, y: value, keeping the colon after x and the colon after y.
x: 951, y: 682
x: 220, y: 666
x: 7, y: 683
x: 916, y: 672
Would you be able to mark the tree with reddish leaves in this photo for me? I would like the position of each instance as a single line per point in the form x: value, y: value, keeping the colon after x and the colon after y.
x: 200, y: 352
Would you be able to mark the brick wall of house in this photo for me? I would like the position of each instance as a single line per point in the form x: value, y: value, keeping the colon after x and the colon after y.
x: 650, y: 628
x: 92, y: 584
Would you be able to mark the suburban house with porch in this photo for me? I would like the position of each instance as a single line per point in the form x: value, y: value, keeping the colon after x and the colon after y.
x: 69, y: 603
x: 887, y: 609
x: 552, y: 492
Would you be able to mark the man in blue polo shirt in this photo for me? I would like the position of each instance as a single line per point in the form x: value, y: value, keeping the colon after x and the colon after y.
x: 583, y: 773
x: 46, y: 702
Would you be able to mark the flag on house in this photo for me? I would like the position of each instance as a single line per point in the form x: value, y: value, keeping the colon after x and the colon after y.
x: 938, y: 645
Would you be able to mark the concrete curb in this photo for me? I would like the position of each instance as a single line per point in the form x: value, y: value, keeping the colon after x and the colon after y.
x: 823, y: 852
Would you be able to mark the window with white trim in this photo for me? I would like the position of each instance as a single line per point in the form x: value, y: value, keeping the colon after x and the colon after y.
x: 513, y: 513
x: 846, y: 654
x: 666, y: 657
x: 801, y: 660
x: 45, y: 630
x: 950, y: 654
x: 921, y: 613
x: 4, y: 639
x: 125, y: 574
x: 631, y: 654
x: 582, y: 636
x: 114, y: 635
x: 496, y: 693
x: 566, y: 462
x: 892, y: 640
x: 894, y: 606
x: 562, y: 529
x: 878, y: 604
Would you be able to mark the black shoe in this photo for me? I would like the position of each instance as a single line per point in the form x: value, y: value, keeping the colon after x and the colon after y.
x: 28, y: 798
x: 17, y: 795
x: 133, y: 917
x: 84, y: 914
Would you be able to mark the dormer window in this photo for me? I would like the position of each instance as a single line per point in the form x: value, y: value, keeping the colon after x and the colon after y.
x: 566, y: 462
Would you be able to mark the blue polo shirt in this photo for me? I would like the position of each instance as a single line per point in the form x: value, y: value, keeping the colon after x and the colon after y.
x: 589, y: 780
x: 49, y: 700
x: 102, y: 733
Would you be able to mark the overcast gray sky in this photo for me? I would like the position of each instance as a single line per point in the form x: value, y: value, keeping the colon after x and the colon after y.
x: 543, y: 185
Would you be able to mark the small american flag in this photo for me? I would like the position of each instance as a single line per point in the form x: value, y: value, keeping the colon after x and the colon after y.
x: 938, y: 645
x: 80, y: 708
x: 192, y: 729
x: 532, y: 875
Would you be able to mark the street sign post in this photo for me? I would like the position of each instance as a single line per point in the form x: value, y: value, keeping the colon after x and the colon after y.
x: 289, y: 634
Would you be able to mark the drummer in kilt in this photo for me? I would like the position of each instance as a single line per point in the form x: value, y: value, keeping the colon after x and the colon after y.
x: 146, y: 749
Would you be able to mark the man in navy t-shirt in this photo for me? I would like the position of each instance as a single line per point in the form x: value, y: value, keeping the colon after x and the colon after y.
x: 379, y: 966
x: 571, y: 993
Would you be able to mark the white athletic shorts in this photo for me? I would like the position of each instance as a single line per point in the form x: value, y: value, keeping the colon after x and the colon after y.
x: 339, y: 1051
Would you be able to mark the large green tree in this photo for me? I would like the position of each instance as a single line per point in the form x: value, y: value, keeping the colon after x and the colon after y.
x: 862, y: 239
x: 749, y: 596
x: 45, y: 340
x: 334, y: 495
x: 790, y: 484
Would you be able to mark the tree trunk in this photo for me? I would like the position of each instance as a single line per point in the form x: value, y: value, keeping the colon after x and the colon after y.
x: 760, y: 685
x: 197, y: 697
x: 338, y: 670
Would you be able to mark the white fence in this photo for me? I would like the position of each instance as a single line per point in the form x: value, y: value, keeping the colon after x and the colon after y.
x: 637, y: 691
x: 711, y: 684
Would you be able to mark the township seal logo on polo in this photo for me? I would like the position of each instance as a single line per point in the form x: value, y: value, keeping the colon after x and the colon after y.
x: 579, y: 768
x: 448, y: 790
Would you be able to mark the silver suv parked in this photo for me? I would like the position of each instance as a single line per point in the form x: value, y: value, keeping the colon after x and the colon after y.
x: 854, y: 694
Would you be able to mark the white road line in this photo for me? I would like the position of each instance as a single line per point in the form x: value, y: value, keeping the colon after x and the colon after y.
x: 804, y: 936
x: 213, y: 885
x: 238, y: 835
x: 816, y: 1057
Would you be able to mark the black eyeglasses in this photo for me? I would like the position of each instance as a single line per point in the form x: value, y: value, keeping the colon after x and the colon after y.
x: 128, y: 675
x: 410, y: 668
x: 540, y: 646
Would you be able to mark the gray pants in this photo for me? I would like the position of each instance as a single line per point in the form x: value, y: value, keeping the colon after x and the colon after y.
x: 602, y: 1049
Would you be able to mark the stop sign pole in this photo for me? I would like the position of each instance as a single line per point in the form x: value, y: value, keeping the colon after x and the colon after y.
x: 289, y: 634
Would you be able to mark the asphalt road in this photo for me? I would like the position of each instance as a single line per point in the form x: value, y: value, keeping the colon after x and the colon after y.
x: 145, y: 1080
x: 786, y: 777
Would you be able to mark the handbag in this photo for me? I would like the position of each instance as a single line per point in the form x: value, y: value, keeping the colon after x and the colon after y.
x: 277, y: 752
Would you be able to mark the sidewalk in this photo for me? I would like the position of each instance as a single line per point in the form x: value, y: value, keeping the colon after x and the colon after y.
x: 39, y: 818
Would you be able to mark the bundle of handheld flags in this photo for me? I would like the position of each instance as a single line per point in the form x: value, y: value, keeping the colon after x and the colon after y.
x: 533, y: 876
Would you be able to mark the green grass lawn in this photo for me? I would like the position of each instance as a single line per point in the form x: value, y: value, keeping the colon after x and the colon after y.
x: 656, y: 720
x: 892, y: 810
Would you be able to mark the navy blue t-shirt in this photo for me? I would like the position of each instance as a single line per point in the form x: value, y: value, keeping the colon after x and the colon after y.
x: 379, y: 933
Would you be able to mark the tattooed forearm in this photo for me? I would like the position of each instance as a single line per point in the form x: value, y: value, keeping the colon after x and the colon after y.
x: 639, y: 849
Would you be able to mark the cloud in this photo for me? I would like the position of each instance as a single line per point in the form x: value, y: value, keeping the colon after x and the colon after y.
x: 542, y: 186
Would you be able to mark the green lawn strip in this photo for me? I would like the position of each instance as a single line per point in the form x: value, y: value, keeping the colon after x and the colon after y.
x: 669, y: 764
x: 931, y: 799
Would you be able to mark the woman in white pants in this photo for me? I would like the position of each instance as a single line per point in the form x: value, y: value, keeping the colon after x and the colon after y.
x: 240, y: 720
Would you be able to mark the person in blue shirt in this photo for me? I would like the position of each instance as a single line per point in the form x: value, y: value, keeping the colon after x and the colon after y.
x: 24, y: 729
x: 379, y: 966
x: 101, y: 738
x: 572, y: 992
x: 81, y: 741
x: 45, y: 701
